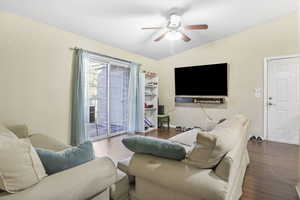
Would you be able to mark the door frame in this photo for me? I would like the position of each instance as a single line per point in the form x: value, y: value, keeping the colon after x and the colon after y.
x: 266, y: 86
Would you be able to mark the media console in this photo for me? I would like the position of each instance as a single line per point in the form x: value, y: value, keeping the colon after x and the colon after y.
x: 200, y: 100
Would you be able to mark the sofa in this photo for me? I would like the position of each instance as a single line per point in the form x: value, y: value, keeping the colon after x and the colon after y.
x: 98, y: 179
x: 158, y: 178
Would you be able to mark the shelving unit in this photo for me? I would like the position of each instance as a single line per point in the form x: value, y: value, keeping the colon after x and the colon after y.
x: 151, y: 98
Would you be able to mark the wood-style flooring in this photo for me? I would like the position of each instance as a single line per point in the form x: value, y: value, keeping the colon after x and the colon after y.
x: 271, y: 175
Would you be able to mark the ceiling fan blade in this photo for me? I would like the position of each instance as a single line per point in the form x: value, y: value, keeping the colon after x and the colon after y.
x: 161, y: 37
x: 196, y: 27
x: 147, y: 28
x: 185, y: 37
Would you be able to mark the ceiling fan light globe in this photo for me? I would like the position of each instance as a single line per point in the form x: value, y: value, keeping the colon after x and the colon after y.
x: 175, y: 20
x: 173, y: 35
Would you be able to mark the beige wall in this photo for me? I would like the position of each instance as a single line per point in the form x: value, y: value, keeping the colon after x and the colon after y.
x: 35, y: 73
x: 245, y: 53
x: 298, y: 182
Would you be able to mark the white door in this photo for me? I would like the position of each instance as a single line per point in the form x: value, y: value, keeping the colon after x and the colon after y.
x: 283, y: 100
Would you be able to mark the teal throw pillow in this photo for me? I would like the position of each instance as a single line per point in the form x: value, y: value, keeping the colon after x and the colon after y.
x: 58, y: 161
x: 154, y: 146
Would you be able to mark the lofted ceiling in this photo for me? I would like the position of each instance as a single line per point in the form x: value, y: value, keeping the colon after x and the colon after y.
x: 118, y: 22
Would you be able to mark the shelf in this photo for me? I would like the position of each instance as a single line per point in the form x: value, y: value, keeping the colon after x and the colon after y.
x: 152, y: 87
x: 150, y: 94
x: 151, y: 98
x: 150, y: 109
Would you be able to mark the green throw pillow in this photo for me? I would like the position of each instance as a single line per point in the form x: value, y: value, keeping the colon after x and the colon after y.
x: 58, y: 161
x: 155, y: 146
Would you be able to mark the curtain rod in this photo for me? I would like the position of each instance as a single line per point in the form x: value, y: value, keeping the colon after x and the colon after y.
x: 99, y: 54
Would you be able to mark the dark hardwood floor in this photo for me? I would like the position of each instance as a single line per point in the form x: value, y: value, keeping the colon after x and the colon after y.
x: 271, y: 175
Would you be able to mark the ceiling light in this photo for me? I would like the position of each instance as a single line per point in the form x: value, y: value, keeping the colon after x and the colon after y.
x: 175, y: 21
x: 173, y: 35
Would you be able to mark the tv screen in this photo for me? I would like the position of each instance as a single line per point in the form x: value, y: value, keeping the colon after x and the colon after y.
x: 206, y: 80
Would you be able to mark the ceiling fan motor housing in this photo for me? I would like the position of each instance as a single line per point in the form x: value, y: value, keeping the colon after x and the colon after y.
x: 174, y: 21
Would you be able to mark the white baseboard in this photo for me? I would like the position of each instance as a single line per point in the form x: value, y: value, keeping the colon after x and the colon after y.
x: 298, y: 190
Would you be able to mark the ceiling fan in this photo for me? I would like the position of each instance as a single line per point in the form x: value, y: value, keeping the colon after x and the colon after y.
x: 174, y: 29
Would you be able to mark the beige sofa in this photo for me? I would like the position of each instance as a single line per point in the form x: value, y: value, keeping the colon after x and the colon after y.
x: 162, y: 179
x: 96, y: 180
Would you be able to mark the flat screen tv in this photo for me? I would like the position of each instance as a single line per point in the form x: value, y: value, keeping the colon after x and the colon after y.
x: 205, y: 80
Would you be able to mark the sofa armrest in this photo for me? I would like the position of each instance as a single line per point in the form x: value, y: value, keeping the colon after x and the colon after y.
x: 178, y: 176
x: 46, y: 142
x: 78, y: 183
x: 21, y: 130
x: 231, y: 162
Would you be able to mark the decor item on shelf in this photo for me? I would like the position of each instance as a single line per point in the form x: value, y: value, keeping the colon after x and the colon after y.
x: 151, y: 84
x: 149, y: 93
x: 149, y: 106
x: 150, y: 74
x: 148, y: 123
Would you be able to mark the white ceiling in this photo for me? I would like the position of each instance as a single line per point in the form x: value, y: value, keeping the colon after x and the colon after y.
x: 118, y: 22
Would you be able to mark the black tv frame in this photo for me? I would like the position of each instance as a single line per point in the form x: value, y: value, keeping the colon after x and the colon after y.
x: 208, y: 96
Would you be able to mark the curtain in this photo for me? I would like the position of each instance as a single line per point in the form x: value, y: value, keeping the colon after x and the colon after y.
x: 79, y: 97
x: 136, y: 103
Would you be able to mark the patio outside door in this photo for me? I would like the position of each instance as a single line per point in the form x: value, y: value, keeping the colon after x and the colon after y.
x: 108, y: 98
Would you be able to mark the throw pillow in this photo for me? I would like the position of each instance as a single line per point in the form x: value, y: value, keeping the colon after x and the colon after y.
x: 154, y: 146
x: 58, y: 161
x: 20, y: 166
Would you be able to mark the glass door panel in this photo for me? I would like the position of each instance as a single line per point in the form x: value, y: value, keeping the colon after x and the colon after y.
x: 118, y: 90
x: 107, y: 98
x: 97, y: 126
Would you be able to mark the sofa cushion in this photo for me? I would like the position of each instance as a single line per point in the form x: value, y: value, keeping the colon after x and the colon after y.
x: 20, y: 166
x: 155, y: 146
x: 58, y: 161
x: 212, y: 146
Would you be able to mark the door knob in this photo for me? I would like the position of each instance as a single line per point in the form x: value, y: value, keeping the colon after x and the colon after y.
x: 271, y: 104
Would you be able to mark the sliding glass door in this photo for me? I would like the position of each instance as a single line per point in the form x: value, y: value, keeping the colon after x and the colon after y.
x: 118, y: 93
x: 108, y: 98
